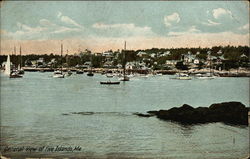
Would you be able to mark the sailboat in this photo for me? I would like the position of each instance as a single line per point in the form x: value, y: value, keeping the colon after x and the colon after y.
x: 59, y: 73
x: 124, y: 77
x: 20, y: 71
x: 69, y: 72
x: 8, y: 71
x: 182, y: 76
x: 7, y: 66
x: 207, y: 75
x: 90, y: 73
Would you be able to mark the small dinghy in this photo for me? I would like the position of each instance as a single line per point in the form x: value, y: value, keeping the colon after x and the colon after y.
x: 109, y: 82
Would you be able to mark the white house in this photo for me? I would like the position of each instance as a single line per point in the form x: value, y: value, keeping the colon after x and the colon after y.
x: 107, y: 54
x: 171, y: 62
x: 196, y: 61
x: 219, y: 52
x: 189, y: 58
x: 153, y: 55
x: 130, y: 66
x: 141, y: 53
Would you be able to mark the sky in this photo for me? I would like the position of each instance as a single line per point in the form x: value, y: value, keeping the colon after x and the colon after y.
x: 41, y: 26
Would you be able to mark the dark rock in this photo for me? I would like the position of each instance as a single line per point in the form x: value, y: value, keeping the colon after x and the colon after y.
x: 228, y: 112
x: 143, y: 115
x: 65, y: 114
x: 154, y: 112
x: 83, y: 113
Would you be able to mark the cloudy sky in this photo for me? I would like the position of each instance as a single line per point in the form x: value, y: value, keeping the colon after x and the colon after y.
x: 41, y: 26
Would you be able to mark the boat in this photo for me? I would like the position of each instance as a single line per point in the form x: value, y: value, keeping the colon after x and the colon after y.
x: 41, y: 70
x: 110, y: 82
x: 69, y: 73
x: 19, y: 70
x: 59, y: 73
x: 182, y: 76
x: 204, y: 76
x: 124, y: 77
x: 90, y: 72
x: 7, y: 66
x: 144, y: 75
x: 109, y: 75
x: 15, y: 75
x: 208, y: 75
x: 8, y: 72
x: 79, y: 71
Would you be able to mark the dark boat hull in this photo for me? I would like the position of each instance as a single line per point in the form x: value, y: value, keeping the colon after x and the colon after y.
x: 109, y: 82
x: 90, y: 74
x: 16, y: 76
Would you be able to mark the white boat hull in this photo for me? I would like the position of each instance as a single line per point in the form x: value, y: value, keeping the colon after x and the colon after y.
x: 183, y: 78
x: 212, y: 77
x: 58, y: 76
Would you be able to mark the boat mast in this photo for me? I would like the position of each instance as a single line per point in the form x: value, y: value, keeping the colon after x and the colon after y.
x: 91, y: 60
x: 124, y: 58
x: 61, y: 56
x: 14, y: 50
x: 210, y: 64
x: 20, y: 57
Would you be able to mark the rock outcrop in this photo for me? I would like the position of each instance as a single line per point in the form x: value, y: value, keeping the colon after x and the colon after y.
x: 228, y: 112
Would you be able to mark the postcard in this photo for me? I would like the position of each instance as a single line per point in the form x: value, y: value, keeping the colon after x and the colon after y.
x: 124, y: 79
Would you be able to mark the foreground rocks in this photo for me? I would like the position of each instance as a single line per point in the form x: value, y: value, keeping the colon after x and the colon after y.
x: 228, y: 112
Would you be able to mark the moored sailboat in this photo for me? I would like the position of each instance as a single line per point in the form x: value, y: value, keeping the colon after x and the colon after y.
x: 8, y: 72
x: 20, y: 71
x: 90, y: 72
x: 182, y: 76
x: 208, y: 75
x: 124, y: 77
x: 59, y: 73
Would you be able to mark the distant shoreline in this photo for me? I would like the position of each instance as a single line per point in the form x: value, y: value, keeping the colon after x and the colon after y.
x: 223, y: 73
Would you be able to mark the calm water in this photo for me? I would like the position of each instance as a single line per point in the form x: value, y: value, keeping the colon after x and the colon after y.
x: 32, y: 111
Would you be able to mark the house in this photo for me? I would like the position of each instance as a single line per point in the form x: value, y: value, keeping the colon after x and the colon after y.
x: 171, y: 62
x: 86, y: 51
x: 130, y: 66
x: 243, y: 56
x: 108, y: 64
x: 40, y: 61
x: 153, y: 55
x: 189, y: 57
x: 219, y: 52
x: 119, y: 66
x: 98, y: 54
x: 51, y: 63
x: 87, y: 64
x: 196, y: 61
x: 142, y: 54
x: 107, y: 54
x: 167, y: 53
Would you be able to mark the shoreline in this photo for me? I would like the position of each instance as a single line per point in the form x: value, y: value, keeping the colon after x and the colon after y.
x: 223, y: 73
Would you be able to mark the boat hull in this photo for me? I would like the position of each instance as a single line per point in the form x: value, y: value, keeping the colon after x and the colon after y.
x: 90, y: 74
x: 16, y: 76
x: 109, y: 83
x: 58, y: 76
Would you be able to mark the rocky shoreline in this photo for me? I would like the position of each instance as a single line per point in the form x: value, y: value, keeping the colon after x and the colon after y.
x: 234, y: 113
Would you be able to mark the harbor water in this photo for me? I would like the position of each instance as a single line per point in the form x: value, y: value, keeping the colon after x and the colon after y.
x: 38, y: 110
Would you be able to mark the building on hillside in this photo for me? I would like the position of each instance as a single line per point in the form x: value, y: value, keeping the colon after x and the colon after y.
x: 142, y: 54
